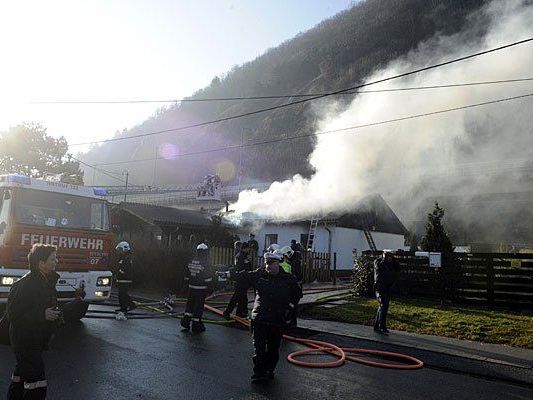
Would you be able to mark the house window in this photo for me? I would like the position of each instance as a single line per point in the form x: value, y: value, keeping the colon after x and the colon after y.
x: 270, y: 238
x: 303, y: 240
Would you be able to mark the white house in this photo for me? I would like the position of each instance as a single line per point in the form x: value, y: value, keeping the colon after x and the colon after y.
x: 341, y: 234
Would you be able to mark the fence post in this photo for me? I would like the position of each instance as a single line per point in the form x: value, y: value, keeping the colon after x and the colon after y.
x: 334, y: 268
x: 490, y: 281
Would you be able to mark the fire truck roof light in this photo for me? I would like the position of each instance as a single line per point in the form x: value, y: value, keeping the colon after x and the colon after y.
x: 17, y: 178
x: 100, y: 191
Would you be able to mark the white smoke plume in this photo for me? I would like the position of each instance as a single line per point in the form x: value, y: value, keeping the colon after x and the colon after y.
x: 410, y: 160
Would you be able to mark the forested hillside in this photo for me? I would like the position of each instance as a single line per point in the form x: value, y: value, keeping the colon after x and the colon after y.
x: 337, y: 53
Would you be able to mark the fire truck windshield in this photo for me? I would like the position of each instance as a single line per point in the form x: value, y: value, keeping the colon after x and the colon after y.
x: 40, y: 208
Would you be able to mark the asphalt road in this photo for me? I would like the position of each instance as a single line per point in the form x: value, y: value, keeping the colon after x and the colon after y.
x: 153, y: 359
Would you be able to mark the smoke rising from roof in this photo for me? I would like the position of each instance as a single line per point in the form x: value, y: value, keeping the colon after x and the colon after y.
x: 454, y: 153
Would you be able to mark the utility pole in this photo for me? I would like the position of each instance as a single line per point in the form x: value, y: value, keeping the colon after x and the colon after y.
x: 240, y: 158
x: 94, y: 172
x: 155, y: 164
x: 125, y: 172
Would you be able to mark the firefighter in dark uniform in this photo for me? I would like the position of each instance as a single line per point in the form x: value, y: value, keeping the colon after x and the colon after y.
x: 32, y: 314
x: 124, y: 279
x: 200, y: 276
x: 240, y: 295
x: 254, y: 248
x: 277, y: 294
x: 386, y: 270
x: 296, y: 260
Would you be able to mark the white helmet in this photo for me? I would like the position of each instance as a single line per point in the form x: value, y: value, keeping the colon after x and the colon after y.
x: 273, y: 247
x: 202, y: 246
x: 287, y: 251
x: 273, y: 256
x: 279, y: 253
x: 124, y: 246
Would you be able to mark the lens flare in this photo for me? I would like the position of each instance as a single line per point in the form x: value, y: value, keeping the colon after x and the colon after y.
x: 169, y: 151
x: 226, y: 170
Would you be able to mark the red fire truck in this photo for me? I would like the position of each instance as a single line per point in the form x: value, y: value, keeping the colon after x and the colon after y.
x: 73, y: 218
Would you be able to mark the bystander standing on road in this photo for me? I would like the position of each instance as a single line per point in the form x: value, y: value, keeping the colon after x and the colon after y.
x: 386, y: 270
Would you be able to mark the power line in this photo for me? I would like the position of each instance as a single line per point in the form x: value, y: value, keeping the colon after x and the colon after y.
x: 310, y: 98
x: 108, y: 173
x: 388, y: 121
x: 286, y: 96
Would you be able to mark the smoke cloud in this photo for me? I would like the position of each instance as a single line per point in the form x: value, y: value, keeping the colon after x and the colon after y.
x: 453, y: 153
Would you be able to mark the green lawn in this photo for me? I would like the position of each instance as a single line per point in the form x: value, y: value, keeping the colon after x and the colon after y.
x: 433, y: 318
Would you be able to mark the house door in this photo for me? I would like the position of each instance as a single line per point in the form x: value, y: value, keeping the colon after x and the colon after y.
x: 270, y: 238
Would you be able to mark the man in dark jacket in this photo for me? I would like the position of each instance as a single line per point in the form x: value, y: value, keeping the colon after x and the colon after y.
x: 277, y: 294
x: 240, y: 295
x: 386, y: 270
x: 32, y: 312
x: 296, y: 260
x: 124, y: 279
x: 254, y: 249
x: 199, y: 276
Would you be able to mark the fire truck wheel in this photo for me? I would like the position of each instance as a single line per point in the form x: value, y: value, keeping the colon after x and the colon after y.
x: 76, y: 312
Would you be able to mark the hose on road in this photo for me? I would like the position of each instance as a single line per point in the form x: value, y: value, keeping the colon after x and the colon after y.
x: 342, y: 354
x: 403, y: 361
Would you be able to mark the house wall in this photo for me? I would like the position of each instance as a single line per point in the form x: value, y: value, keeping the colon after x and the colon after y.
x: 343, y: 240
x: 285, y: 234
x: 347, y: 239
x: 388, y: 241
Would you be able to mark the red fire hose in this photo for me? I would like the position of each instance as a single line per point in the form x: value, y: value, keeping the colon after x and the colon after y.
x: 317, y: 347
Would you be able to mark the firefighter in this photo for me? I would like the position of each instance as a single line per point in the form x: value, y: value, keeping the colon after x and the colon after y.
x: 272, y: 248
x: 296, y: 260
x: 199, y: 277
x: 236, y: 247
x: 287, y: 264
x: 277, y: 294
x: 286, y: 252
x: 124, y: 272
x: 254, y: 248
x: 32, y: 314
x: 240, y: 295
x: 386, y: 270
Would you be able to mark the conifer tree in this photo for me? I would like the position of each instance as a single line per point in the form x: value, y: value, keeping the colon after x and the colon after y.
x: 436, y: 238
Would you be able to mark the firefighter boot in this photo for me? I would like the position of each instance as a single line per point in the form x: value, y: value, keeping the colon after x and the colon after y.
x: 186, y: 322
x: 260, y: 377
x: 35, y: 394
x: 198, y: 326
x: 15, y: 391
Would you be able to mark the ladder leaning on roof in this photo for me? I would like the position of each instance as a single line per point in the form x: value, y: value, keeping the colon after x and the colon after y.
x: 312, y: 233
x: 369, y: 238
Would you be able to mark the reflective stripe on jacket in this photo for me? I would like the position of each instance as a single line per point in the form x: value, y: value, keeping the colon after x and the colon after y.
x: 286, y: 266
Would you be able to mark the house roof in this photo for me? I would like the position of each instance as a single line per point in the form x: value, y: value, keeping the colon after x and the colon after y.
x: 159, y: 215
x: 371, y: 212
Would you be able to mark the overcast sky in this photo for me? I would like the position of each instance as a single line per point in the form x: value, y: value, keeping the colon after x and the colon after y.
x: 110, y: 50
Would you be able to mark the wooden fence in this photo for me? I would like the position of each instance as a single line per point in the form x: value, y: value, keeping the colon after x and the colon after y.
x: 492, y: 279
x: 316, y: 266
x: 221, y: 256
